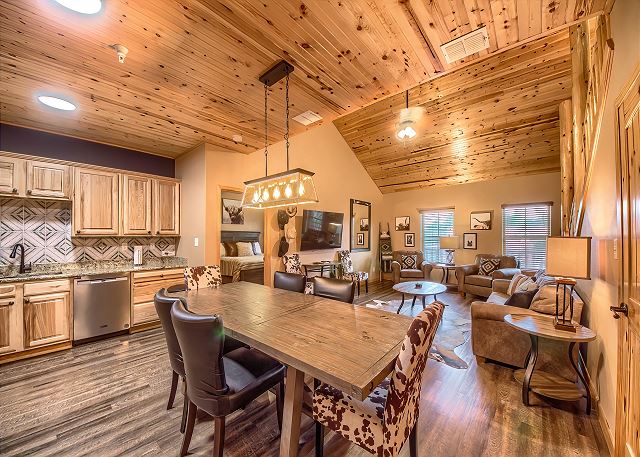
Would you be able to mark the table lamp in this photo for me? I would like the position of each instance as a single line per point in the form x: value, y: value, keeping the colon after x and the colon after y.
x: 449, y: 244
x: 568, y: 259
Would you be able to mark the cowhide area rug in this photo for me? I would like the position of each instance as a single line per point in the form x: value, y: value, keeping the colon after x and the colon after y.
x: 454, y: 331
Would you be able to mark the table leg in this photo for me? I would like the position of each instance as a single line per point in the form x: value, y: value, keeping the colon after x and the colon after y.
x: 401, y: 304
x: 291, y: 415
x: 445, y: 276
x: 532, y: 358
x: 413, y: 302
x: 423, y: 303
x: 581, y: 377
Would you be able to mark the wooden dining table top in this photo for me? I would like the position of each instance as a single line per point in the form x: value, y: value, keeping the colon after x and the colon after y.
x: 352, y: 348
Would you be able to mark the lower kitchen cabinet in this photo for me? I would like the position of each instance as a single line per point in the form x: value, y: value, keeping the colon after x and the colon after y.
x: 144, y: 286
x: 47, y: 313
x: 11, y: 328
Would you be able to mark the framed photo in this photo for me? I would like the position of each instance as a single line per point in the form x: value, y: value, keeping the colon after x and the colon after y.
x: 232, y: 212
x: 410, y: 240
x: 403, y: 223
x: 360, y: 239
x: 470, y: 240
x: 364, y: 224
x: 481, y: 220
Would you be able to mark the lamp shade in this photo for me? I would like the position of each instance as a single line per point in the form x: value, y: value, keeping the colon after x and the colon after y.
x: 569, y: 257
x: 449, y: 242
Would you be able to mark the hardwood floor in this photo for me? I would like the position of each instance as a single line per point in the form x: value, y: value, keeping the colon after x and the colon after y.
x: 109, y: 398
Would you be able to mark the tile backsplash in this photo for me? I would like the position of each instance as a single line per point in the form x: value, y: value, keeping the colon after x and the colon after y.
x: 44, y: 227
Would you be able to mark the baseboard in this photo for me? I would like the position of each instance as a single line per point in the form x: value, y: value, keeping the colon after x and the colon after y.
x: 595, y: 403
x: 606, y: 431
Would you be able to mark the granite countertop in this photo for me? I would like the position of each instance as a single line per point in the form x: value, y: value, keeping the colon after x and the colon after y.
x: 70, y: 270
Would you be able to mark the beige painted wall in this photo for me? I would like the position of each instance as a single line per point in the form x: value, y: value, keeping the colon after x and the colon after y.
x: 601, y: 217
x: 465, y: 198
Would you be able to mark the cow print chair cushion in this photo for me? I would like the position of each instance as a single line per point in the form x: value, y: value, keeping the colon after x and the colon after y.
x: 203, y: 276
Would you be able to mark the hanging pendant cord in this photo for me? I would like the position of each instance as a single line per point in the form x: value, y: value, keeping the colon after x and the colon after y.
x: 266, y: 136
x: 286, y: 133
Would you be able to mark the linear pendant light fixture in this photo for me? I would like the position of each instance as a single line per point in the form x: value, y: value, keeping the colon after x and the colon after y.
x: 290, y: 187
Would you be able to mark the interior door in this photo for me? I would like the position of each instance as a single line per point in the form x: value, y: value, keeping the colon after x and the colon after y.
x: 628, y: 391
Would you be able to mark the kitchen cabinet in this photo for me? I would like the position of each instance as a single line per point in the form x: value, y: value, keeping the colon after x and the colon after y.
x: 96, y: 202
x: 11, y: 328
x: 136, y: 205
x: 47, y: 313
x: 12, y: 176
x: 166, y: 207
x: 144, y: 286
x: 48, y: 180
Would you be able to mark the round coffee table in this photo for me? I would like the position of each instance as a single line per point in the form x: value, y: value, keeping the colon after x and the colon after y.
x: 418, y: 289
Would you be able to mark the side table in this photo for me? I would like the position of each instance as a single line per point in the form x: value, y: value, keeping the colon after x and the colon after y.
x: 446, y: 268
x: 543, y: 383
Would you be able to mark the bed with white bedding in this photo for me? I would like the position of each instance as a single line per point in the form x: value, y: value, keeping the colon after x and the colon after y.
x: 241, y: 266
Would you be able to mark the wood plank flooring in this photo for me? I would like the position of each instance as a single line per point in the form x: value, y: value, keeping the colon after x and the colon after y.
x: 109, y: 399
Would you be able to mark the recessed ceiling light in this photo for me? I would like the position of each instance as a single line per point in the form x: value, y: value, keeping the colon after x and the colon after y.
x: 57, y: 103
x: 82, y: 6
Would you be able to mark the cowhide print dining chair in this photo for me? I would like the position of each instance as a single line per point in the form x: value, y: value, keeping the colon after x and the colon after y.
x: 203, y: 276
x: 348, y: 273
x: 382, y: 422
x: 292, y: 265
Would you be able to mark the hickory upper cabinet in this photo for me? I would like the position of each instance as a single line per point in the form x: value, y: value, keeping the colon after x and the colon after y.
x: 12, y: 176
x: 166, y: 207
x: 48, y: 180
x: 96, y: 202
x: 136, y: 205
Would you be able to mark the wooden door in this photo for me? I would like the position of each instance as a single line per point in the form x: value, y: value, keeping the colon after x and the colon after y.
x: 628, y: 391
x: 49, y: 180
x: 12, y: 176
x: 166, y: 207
x: 136, y: 205
x: 95, y: 202
x: 47, y: 319
x: 10, y: 319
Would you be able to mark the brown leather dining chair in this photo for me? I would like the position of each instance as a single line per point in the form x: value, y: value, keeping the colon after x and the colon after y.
x: 384, y: 421
x: 220, y: 384
x: 336, y: 289
x: 289, y: 281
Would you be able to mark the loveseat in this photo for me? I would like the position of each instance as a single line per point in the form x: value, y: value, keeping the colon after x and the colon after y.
x: 471, y: 282
x: 410, y: 269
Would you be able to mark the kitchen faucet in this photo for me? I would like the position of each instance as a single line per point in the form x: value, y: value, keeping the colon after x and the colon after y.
x: 23, y: 268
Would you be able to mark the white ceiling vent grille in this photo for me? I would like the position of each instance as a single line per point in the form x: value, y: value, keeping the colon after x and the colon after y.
x: 308, y: 118
x: 466, y: 45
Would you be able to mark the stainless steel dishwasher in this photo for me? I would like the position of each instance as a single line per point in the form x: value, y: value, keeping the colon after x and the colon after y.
x: 101, y: 305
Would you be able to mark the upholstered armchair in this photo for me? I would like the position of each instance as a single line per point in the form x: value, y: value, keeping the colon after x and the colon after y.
x: 409, y: 266
x: 470, y: 281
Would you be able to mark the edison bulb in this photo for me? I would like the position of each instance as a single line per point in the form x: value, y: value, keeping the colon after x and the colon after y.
x: 265, y: 195
x: 256, y: 196
x: 287, y: 191
x: 276, y: 192
x: 301, y: 189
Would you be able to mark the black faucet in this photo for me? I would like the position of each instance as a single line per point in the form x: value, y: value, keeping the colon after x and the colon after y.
x: 23, y: 268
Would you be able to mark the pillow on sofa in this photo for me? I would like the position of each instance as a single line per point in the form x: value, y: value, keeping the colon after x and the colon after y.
x: 515, y: 281
x: 409, y: 262
x: 488, y: 266
x: 544, y: 301
x: 521, y: 299
x: 544, y: 280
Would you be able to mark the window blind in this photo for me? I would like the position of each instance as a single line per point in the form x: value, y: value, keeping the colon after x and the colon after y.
x: 525, y: 229
x: 435, y: 223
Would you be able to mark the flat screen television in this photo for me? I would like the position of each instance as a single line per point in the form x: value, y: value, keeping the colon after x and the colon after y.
x: 321, y: 230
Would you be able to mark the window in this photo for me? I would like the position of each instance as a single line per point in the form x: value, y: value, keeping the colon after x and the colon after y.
x: 435, y: 223
x: 525, y: 229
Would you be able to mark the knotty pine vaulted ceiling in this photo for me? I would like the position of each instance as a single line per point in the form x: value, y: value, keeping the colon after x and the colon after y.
x: 191, y: 72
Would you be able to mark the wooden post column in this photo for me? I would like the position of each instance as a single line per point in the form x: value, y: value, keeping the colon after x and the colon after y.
x: 566, y: 164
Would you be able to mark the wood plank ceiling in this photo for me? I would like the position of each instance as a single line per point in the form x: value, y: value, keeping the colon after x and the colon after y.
x: 191, y: 72
x: 494, y: 118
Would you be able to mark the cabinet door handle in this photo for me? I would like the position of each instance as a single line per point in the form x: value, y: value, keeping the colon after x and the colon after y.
x: 77, y: 231
x: 149, y: 232
x: 158, y: 232
x: 27, y: 300
x: 14, y: 190
x: 29, y: 191
x: 11, y: 303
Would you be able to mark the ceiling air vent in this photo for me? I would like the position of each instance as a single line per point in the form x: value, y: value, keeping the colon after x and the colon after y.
x: 466, y: 45
x: 308, y: 118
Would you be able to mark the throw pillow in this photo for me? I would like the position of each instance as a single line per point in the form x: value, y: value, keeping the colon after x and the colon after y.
x: 527, y: 285
x: 257, y: 250
x: 521, y: 299
x: 223, y: 250
x: 544, y: 280
x: 544, y: 301
x: 513, y: 285
x: 409, y: 262
x: 488, y: 266
x: 244, y: 249
x: 232, y: 249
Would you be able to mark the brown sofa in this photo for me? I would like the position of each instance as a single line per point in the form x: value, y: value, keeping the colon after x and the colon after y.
x: 494, y: 339
x: 470, y: 282
x: 421, y: 273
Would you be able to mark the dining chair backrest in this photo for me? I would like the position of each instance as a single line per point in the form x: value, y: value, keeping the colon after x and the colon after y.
x: 202, y: 276
x: 201, y: 339
x: 292, y: 263
x: 344, y: 257
x: 163, y: 304
x: 289, y: 281
x: 336, y: 289
x: 403, y: 397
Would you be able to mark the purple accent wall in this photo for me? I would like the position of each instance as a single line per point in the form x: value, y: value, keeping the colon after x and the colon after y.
x: 33, y: 142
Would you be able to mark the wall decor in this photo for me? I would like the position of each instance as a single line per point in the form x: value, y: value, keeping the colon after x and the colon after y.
x: 364, y: 225
x: 360, y: 239
x: 359, y: 217
x: 410, y: 240
x: 481, y: 220
x: 403, y: 223
x: 232, y: 212
x: 470, y: 241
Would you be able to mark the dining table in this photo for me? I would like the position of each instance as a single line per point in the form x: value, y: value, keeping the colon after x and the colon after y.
x: 351, y: 347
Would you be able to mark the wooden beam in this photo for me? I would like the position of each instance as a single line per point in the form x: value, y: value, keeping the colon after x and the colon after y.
x: 566, y: 165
